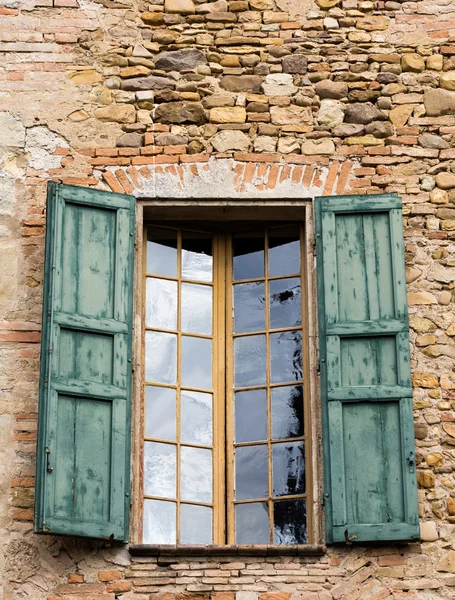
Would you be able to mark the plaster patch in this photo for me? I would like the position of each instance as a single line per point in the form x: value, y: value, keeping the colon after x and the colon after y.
x: 7, y: 195
x: 40, y: 144
x: 12, y: 131
x: 217, y: 179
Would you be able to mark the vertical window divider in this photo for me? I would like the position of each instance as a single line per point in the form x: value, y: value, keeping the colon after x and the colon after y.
x: 219, y: 389
x: 178, y: 380
x: 268, y: 381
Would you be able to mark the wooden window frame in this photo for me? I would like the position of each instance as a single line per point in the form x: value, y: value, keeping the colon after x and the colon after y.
x: 166, y: 210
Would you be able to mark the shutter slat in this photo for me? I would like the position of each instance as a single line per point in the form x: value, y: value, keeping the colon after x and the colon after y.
x: 369, y: 465
x: 85, y: 390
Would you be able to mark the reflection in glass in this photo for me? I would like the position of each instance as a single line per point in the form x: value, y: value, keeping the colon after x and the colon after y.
x: 284, y: 251
x: 251, y: 472
x: 251, y: 416
x: 160, y: 357
x: 196, y: 367
x: 248, y: 250
x: 197, y: 260
x: 196, y: 418
x: 286, y: 356
x: 287, y: 412
x: 196, y: 308
x: 195, y: 524
x: 161, y: 303
x: 288, y: 468
x: 162, y: 251
x: 249, y: 307
x: 249, y: 360
x: 195, y: 474
x: 160, y: 411
x: 285, y: 303
x: 290, y: 522
x: 159, y: 469
x: 159, y: 522
x: 252, y: 523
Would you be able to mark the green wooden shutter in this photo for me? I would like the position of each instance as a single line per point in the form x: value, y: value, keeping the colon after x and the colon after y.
x: 86, y: 365
x: 369, y: 455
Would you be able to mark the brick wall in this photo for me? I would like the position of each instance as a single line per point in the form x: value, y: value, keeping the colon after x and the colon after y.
x: 263, y: 98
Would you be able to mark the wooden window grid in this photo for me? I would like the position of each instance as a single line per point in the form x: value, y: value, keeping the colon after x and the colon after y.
x: 223, y: 392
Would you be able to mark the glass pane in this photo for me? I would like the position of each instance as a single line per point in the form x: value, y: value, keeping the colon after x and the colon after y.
x: 248, y: 250
x: 159, y: 522
x: 161, y: 303
x: 160, y: 411
x: 160, y: 357
x: 285, y: 303
x: 251, y: 472
x: 162, y: 251
x: 252, y: 523
x: 160, y: 469
x: 195, y: 474
x: 195, y: 524
x: 251, y: 416
x: 196, y: 362
x: 286, y: 356
x: 197, y: 260
x: 288, y: 468
x: 196, y: 418
x: 287, y: 412
x: 249, y: 307
x: 196, y: 308
x: 284, y: 251
x: 249, y: 360
x: 290, y: 522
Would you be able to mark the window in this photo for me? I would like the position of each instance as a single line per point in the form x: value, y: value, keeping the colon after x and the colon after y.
x: 242, y: 375
x: 225, y: 356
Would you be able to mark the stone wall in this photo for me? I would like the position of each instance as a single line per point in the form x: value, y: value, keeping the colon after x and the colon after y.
x: 253, y: 99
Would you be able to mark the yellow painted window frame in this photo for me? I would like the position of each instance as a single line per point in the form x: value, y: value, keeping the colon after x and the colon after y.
x: 220, y: 211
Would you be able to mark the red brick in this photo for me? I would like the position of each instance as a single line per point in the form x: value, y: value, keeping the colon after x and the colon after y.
x: 8, y: 11
x: 110, y: 162
x: 23, y: 482
x: 112, y: 182
x: 23, y: 336
x: 259, y: 158
x: 119, y: 587
x: 110, y: 575
x: 154, y: 160
x: 22, y: 514
x: 194, y: 158
x: 175, y: 149
x: 75, y: 578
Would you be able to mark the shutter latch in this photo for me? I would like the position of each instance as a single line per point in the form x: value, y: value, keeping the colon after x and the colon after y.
x: 48, y: 461
x: 411, y: 461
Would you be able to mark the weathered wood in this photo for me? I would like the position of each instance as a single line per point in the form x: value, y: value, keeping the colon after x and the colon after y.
x: 370, y: 486
x: 85, y: 393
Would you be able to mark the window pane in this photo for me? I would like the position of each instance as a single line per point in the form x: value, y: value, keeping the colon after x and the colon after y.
x: 195, y: 524
x: 197, y: 260
x: 290, y: 522
x: 160, y: 357
x: 196, y: 362
x: 284, y: 251
x: 252, y: 523
x: 160, y: 413
x: 162, y: 251
x: 251, y: 416
x: 195, y: 474
x: 159, y: 469
x: 251, y: 472
x: 249, y: 307
x: 286, y: 356
x: 161, y: 303
x: 287, y: 412
x: 288, y: 468
x: 248, y: 250
x: 249, y: 360
x: 196, y: 308
x: 196, y: 418
x: 285, y: 303
x: 159, y: 522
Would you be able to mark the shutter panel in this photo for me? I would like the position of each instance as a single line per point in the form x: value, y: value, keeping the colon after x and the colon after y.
x: 369, y: 453
x: 86, y: 365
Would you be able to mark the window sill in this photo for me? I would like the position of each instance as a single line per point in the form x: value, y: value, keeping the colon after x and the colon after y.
x: 226, y: 550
